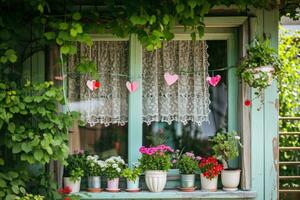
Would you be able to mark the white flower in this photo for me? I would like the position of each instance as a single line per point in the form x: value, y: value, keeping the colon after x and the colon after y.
x: 114, y: 165
x: 237, y: 137
x: 118, y: 170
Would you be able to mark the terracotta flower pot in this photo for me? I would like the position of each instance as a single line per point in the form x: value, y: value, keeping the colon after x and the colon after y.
x: 230, y: 179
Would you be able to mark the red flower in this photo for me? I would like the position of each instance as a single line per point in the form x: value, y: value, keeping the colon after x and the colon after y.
x: 210, y: 167
x: 247, y: 103
x: 65, y: 190
x: 67, y: 198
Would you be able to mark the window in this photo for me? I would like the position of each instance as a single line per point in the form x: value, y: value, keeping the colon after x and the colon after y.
x: 124, y: 135
x: 191, y: 136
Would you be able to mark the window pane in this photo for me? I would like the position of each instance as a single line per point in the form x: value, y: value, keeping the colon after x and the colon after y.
x: 101, y: 97
x: 192, y: 137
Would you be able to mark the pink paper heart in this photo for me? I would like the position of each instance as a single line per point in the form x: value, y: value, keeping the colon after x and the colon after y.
x: 214, y: 80
x: 93, y: 84
x: 170, y: 79
x: 132, y: 86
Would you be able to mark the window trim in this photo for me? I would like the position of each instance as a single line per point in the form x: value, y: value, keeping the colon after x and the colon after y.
x: 135, y: 102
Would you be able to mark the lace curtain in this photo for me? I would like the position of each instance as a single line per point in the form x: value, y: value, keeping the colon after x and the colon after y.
x: 187, y: 99
x: 108, y: 104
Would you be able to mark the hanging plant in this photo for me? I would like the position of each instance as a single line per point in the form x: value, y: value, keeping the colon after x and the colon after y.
x: 260, y: 67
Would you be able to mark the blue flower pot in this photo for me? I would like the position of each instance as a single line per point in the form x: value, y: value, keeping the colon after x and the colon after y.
x: 131, y: 185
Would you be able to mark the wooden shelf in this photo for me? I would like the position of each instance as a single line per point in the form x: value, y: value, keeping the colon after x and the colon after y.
x: 170, y: 194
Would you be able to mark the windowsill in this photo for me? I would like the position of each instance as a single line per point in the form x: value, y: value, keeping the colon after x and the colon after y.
x: 170, y: 194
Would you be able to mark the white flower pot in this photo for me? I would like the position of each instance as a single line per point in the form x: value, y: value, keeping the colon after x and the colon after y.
x: 209, y: 184
x: 268, y: 69
x: 74, y: 185
x: 230, y: 179
x: 156, y: 180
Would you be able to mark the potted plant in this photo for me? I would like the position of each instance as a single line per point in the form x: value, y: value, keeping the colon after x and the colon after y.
x: 155, y: 161
x: 210, y: 169
x: 113, y: 170
x: 226, y: 147
x: 260, y: 66
x: 74, y: 170
x: 94, y: 170
x: 187, y: 166
x: 132, y: 177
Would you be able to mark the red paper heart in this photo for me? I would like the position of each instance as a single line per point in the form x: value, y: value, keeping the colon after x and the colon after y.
x: 97, y: 84
x: 93, y: 84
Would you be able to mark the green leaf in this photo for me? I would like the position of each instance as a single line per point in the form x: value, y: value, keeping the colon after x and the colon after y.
x: 152, y: 19
x: 49, y: 35
x: 11, y: 127
x: 26, y: 147
x: 40, y: 8
x: 193, y: 36
x: 192, y: 3
x: 76, y: 16
x: 38, y: 154
x: 179, y: 8
x: 63, y: 26
x: 205, y: 8
x: 73, y: 32
x: 200, y: 31
x: 2, y: 183
x: 11, y: 197
x: 137, y: 20
x: 65, y: 49
x: 166, y: 19
x: 15, y: 189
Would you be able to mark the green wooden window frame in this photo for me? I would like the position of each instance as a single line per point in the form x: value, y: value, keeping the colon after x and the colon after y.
x: 135, y: 110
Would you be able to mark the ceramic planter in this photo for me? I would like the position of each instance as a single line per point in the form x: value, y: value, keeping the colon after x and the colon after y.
x: 94, y: 184
x: 209, y: 184
x: 74, y: 185
x: 230, y: 179
x: 268, y: 69
x: 187, y: 180
x: 133, y: 185
x: 113, y: 184
x: 156, y: 180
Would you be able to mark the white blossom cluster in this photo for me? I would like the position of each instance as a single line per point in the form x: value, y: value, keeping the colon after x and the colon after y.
x: 94, y: 160
x: 115, y: 162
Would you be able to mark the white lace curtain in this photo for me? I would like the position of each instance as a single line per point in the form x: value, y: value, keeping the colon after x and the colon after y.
x: 108, y: 104
x: 187, y: 99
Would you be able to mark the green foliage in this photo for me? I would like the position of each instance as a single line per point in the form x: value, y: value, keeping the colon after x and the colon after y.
x: 226, y: 146
x: 12, y: 184
x: 132, y: 174
x: 156, y: 161
x: 75, y: 165
x: 289, y: 78
x: 87, y: 66
x: 259, y: 54
x: 32, y: 197
x: 33, y: 131
x: 32, y: 127
x: 76, y: 174
x: 188, y: 163
x: 289, y: 92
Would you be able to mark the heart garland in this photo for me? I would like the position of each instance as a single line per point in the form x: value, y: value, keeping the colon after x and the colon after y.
x: 132, y: 86
x: 170, y: 79
x: 93, y: 84
x: 214, y: 80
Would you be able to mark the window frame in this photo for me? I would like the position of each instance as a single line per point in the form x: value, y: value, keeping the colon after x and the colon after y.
x: 135, y: 102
